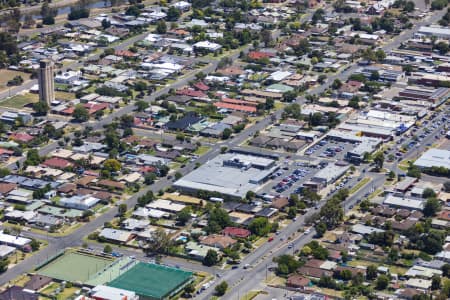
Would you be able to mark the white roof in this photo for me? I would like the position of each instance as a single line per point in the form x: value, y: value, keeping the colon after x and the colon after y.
x: 13, y: 240
x: 434, y: 157
x: 363, y: 229
x: 419, y: 283
x: 280, y: 75
x: 419, y: 271
x: 6, y: 250
x: 132, y: 177
x: 207, y: 45
x: 112, y: 293
x: 166, y: 205
x: 404, y: 202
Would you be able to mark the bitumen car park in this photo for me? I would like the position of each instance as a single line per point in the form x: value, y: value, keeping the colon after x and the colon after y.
x: 292, y: 180
x: 330, y: 149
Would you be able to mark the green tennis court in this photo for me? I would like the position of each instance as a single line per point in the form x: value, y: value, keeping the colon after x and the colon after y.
x: 152, y: 281
x: 75, y: 267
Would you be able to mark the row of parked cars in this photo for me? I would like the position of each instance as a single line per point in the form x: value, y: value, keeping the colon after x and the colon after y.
x: 315, y: 147
x: 289, y: 181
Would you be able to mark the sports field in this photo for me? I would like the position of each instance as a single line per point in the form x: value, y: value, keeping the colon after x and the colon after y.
x: 75, y: 267
x: 152, y: 281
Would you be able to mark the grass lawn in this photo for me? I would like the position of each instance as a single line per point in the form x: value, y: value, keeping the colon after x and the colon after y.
x: 202, y: 150
x: 19, y: 101
x: 359, y: 185
x: 21, y: 280
x: 67, y: 293
x: 357, y: 262
x: 250, y: 295
x: 64, y: 95
x: 64, y: 230
x: 50, y: 288
x: 7, y: 75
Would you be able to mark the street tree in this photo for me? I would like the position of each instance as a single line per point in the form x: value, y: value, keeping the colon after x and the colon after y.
x: 211, y: 258
x: 80, y: 113
x: 221, y: 288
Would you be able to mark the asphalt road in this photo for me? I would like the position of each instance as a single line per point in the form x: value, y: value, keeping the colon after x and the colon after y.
x: 242, y: 281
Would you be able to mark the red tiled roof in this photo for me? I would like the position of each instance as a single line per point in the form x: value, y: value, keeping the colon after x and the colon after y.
x: 95, y: 107
x: 236, y: 232
x: 239, y: 102
x: 147, y: 169
x: 6, y: 151
x: 21, y: 137
x: 180, y: 31
x: 191, y: 93
x: 250, y: 109
x: 126, y: 53
x: 201, y: 86
x: 259, y: 54
x: 56, y: 162
x: 69, y: 110
x: 444, y: 215
x: 297, y: 281
x: 5, y: 188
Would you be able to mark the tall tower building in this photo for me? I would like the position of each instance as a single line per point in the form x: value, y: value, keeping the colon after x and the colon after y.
x: 46, y: 81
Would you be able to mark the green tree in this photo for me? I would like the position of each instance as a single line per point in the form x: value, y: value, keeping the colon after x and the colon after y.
x: 40, y: 108
x: 184, y: 215
x: 141, y: 105
x: 33, y: 158
x: 122, y: 209
x: 436, y: 282
x: 173, y: 14
x: 371, y: 272
x: 414, y: 171
x: 446, y: 270
x: 112, y: 165
x: 428, y: 193
x: 286, y: 264
x: 382, y: 282
x: 221, y: 288
x: 260, y: 226
x: 218, y: 219
x: 107, y: 249
x: 292, y: 111
x: 336, y: 84
x: 378, y: 159
x: 80, y: 113
x: 442, y: 47
x: 211, y: 258
x: 226, y: 133
x: 159, y: 243
x: 321, y: 228
x: 161, y: 27
x: 431, y: 207
x: 4, y: 172
x: 35, y: 245
x: 4, y: 265
x: 190, y: 288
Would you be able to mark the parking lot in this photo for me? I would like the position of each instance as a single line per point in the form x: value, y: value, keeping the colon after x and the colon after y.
x: 425, y: 135
x: 330, y: 149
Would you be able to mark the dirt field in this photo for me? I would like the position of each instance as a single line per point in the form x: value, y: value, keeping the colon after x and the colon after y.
x: 6, y: 75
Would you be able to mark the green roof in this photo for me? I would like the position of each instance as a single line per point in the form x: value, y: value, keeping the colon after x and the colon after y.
x: 111, y: 272
x: 152, y: 281
x: 61, y: 212
x: 35, y: 205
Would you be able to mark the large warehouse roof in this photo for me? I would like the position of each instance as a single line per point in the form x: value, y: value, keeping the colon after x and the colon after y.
x: 434, y: 158
x: 221, y: 175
